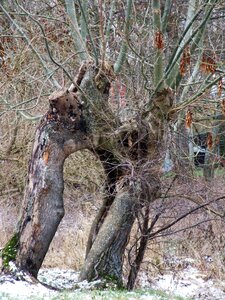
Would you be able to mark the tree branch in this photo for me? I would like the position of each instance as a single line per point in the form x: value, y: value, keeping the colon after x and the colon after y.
x: 78, y: 41
x: 123, y: 50
x: 182, y: 217
x: 56, y: 84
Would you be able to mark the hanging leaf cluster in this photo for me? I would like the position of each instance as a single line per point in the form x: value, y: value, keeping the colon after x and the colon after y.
x: 185, y: 61
x: 223, y: 107
x: 159, y: 40
x: 209, y: 141
x: 220, y: 87
x: 188, y: 119
x: 208, y: 64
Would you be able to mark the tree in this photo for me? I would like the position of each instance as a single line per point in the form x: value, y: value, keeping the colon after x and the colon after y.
x: 79, y: 117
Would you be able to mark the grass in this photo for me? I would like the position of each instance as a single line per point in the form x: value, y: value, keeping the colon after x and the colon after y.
x: 137, y: 294
x: 219, y: 171
x: 148, y: 294
x: 198, y: 172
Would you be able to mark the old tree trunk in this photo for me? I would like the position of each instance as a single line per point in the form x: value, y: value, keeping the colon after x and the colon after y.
x: 81, y: 118
x: 60, y: 132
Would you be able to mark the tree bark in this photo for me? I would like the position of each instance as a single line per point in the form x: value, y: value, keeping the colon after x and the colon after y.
x: 105, y: 258
x: 141, y: 151
x: 77, y: 119
x: 208, y: 168
x: 43, y: 207
x: 59, y: 134
x: 72, y: 123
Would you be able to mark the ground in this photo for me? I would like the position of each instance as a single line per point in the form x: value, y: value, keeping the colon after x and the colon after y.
x: 188, y: 284
x: 187, y: 265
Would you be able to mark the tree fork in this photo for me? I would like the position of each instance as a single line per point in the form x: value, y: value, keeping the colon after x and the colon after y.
x: 105, y: 257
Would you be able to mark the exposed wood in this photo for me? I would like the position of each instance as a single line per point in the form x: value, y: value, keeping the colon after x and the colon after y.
x: 58, y: 135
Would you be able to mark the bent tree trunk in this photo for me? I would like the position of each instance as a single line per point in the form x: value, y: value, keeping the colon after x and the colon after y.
x: 136, y: 159
x: 58, y: 135
x: 68, y: 126
x: 43, y: 208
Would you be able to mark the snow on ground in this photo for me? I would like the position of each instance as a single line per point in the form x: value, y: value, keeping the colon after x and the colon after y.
x: 11, y: 289
x: 190, y: 283
x: 186, y: 283
x: 61, y: 279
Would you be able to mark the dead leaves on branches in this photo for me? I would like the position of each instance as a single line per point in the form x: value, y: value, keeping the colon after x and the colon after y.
x: 188, y: 119
x: 208, y: 63
x: 223, y: 107
x: 209, y: 141
x: 185, y: 61
x: 158, y: 41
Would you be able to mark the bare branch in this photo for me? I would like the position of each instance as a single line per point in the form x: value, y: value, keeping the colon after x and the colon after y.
x: 56, y: 84
x: 154, y: 234
x: 78, y: 41
x: 123, y: 50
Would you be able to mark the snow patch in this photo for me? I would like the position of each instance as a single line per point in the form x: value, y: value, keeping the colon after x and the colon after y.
x: 58, y: 278
x: 190, y: 283
x: 11, y: 288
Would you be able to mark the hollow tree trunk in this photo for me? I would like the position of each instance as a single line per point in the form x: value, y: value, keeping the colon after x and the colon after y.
x: 75, y: 120
x: 59, y: 134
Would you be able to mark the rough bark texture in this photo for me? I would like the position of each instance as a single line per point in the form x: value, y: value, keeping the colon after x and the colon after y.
x: 70, y: 124
x: 105, y: 258
x: 58, y: 135
x: 141, y: 181
x: 209, y: 168
x: 81, y: 118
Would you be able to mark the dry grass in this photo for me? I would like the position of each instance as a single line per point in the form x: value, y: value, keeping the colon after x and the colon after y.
x: 67, y: 249
x: 204, y: 243
x: 199, y: 239
x: 82, y: 197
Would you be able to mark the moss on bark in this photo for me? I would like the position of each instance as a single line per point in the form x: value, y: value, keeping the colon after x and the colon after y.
x: 9, y: 252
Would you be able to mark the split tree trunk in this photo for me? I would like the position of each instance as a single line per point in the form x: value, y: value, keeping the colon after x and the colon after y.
x: 75, y: 115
